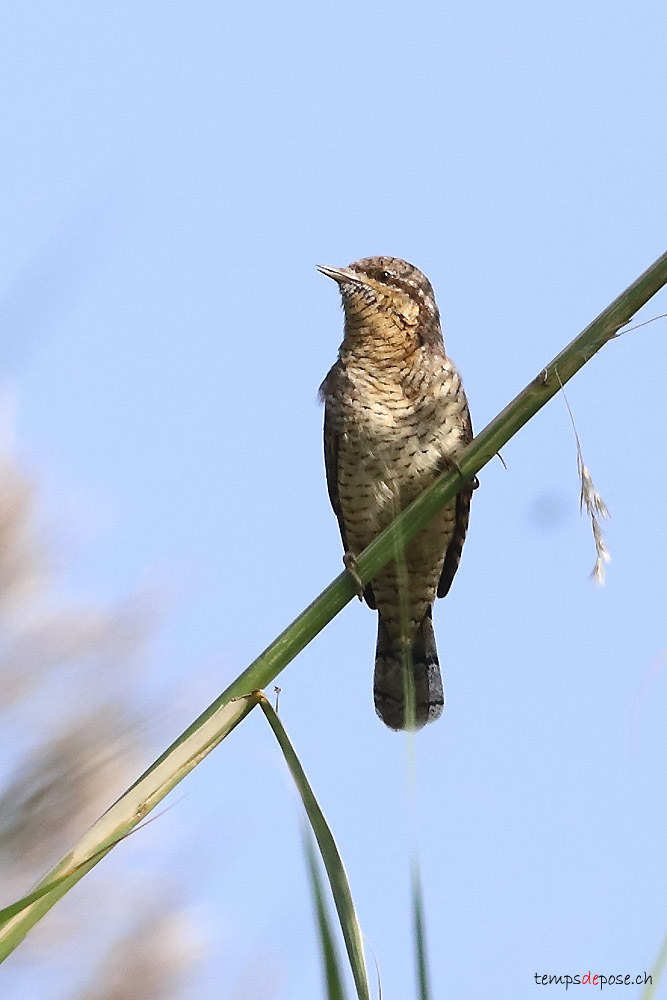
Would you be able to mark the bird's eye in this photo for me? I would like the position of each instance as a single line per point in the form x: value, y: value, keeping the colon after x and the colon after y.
x: 385, y: 275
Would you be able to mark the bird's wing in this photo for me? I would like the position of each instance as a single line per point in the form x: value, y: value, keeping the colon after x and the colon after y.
x: 331, y: 438
x: 453, y: 552
x: 331, y: 466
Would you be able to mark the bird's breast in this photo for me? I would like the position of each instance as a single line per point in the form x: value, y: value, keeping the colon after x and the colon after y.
x: 419, y: 417
x: 392, y: 446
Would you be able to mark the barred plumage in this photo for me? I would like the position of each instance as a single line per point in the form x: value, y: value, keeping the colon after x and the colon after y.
x: 396, y: 416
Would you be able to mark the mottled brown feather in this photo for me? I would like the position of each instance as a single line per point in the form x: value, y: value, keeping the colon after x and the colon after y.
x: 455, y: 547
x: 396, y: 415
x: 331, y: 468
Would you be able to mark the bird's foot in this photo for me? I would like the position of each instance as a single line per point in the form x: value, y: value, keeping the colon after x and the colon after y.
x: 472, y: 483
x: 350, y: 564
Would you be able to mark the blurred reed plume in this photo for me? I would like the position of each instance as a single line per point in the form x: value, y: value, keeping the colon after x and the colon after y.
x: 71, y: 740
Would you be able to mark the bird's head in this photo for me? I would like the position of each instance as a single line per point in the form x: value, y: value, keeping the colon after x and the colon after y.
x: 382, y: 291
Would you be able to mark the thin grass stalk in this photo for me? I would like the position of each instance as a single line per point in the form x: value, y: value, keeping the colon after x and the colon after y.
x: 340, y: 887
x: 402, y: 579
x: 650, y: 991
x: 419, y: 934
x: 331, y: 963
x: 225, y: 713
x: 125, y: 815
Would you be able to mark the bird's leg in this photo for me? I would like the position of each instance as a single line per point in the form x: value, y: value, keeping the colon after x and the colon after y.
x: 350, y: 564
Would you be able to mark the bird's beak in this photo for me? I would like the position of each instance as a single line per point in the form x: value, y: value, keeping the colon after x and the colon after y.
x: 342, y: 275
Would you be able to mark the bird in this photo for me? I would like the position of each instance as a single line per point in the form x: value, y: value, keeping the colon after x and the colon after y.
x: 395, y: 417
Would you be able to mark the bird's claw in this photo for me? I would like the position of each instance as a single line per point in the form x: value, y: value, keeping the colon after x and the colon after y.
x: 350, y: 564
x: 472, y: 483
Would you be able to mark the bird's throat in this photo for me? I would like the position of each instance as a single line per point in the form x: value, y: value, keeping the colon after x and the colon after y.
x: 379, y: 339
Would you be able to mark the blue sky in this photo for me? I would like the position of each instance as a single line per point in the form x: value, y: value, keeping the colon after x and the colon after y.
x: 172, y: 173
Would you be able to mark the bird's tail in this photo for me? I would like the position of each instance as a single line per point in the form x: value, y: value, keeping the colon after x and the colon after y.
x: 407, y: 685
